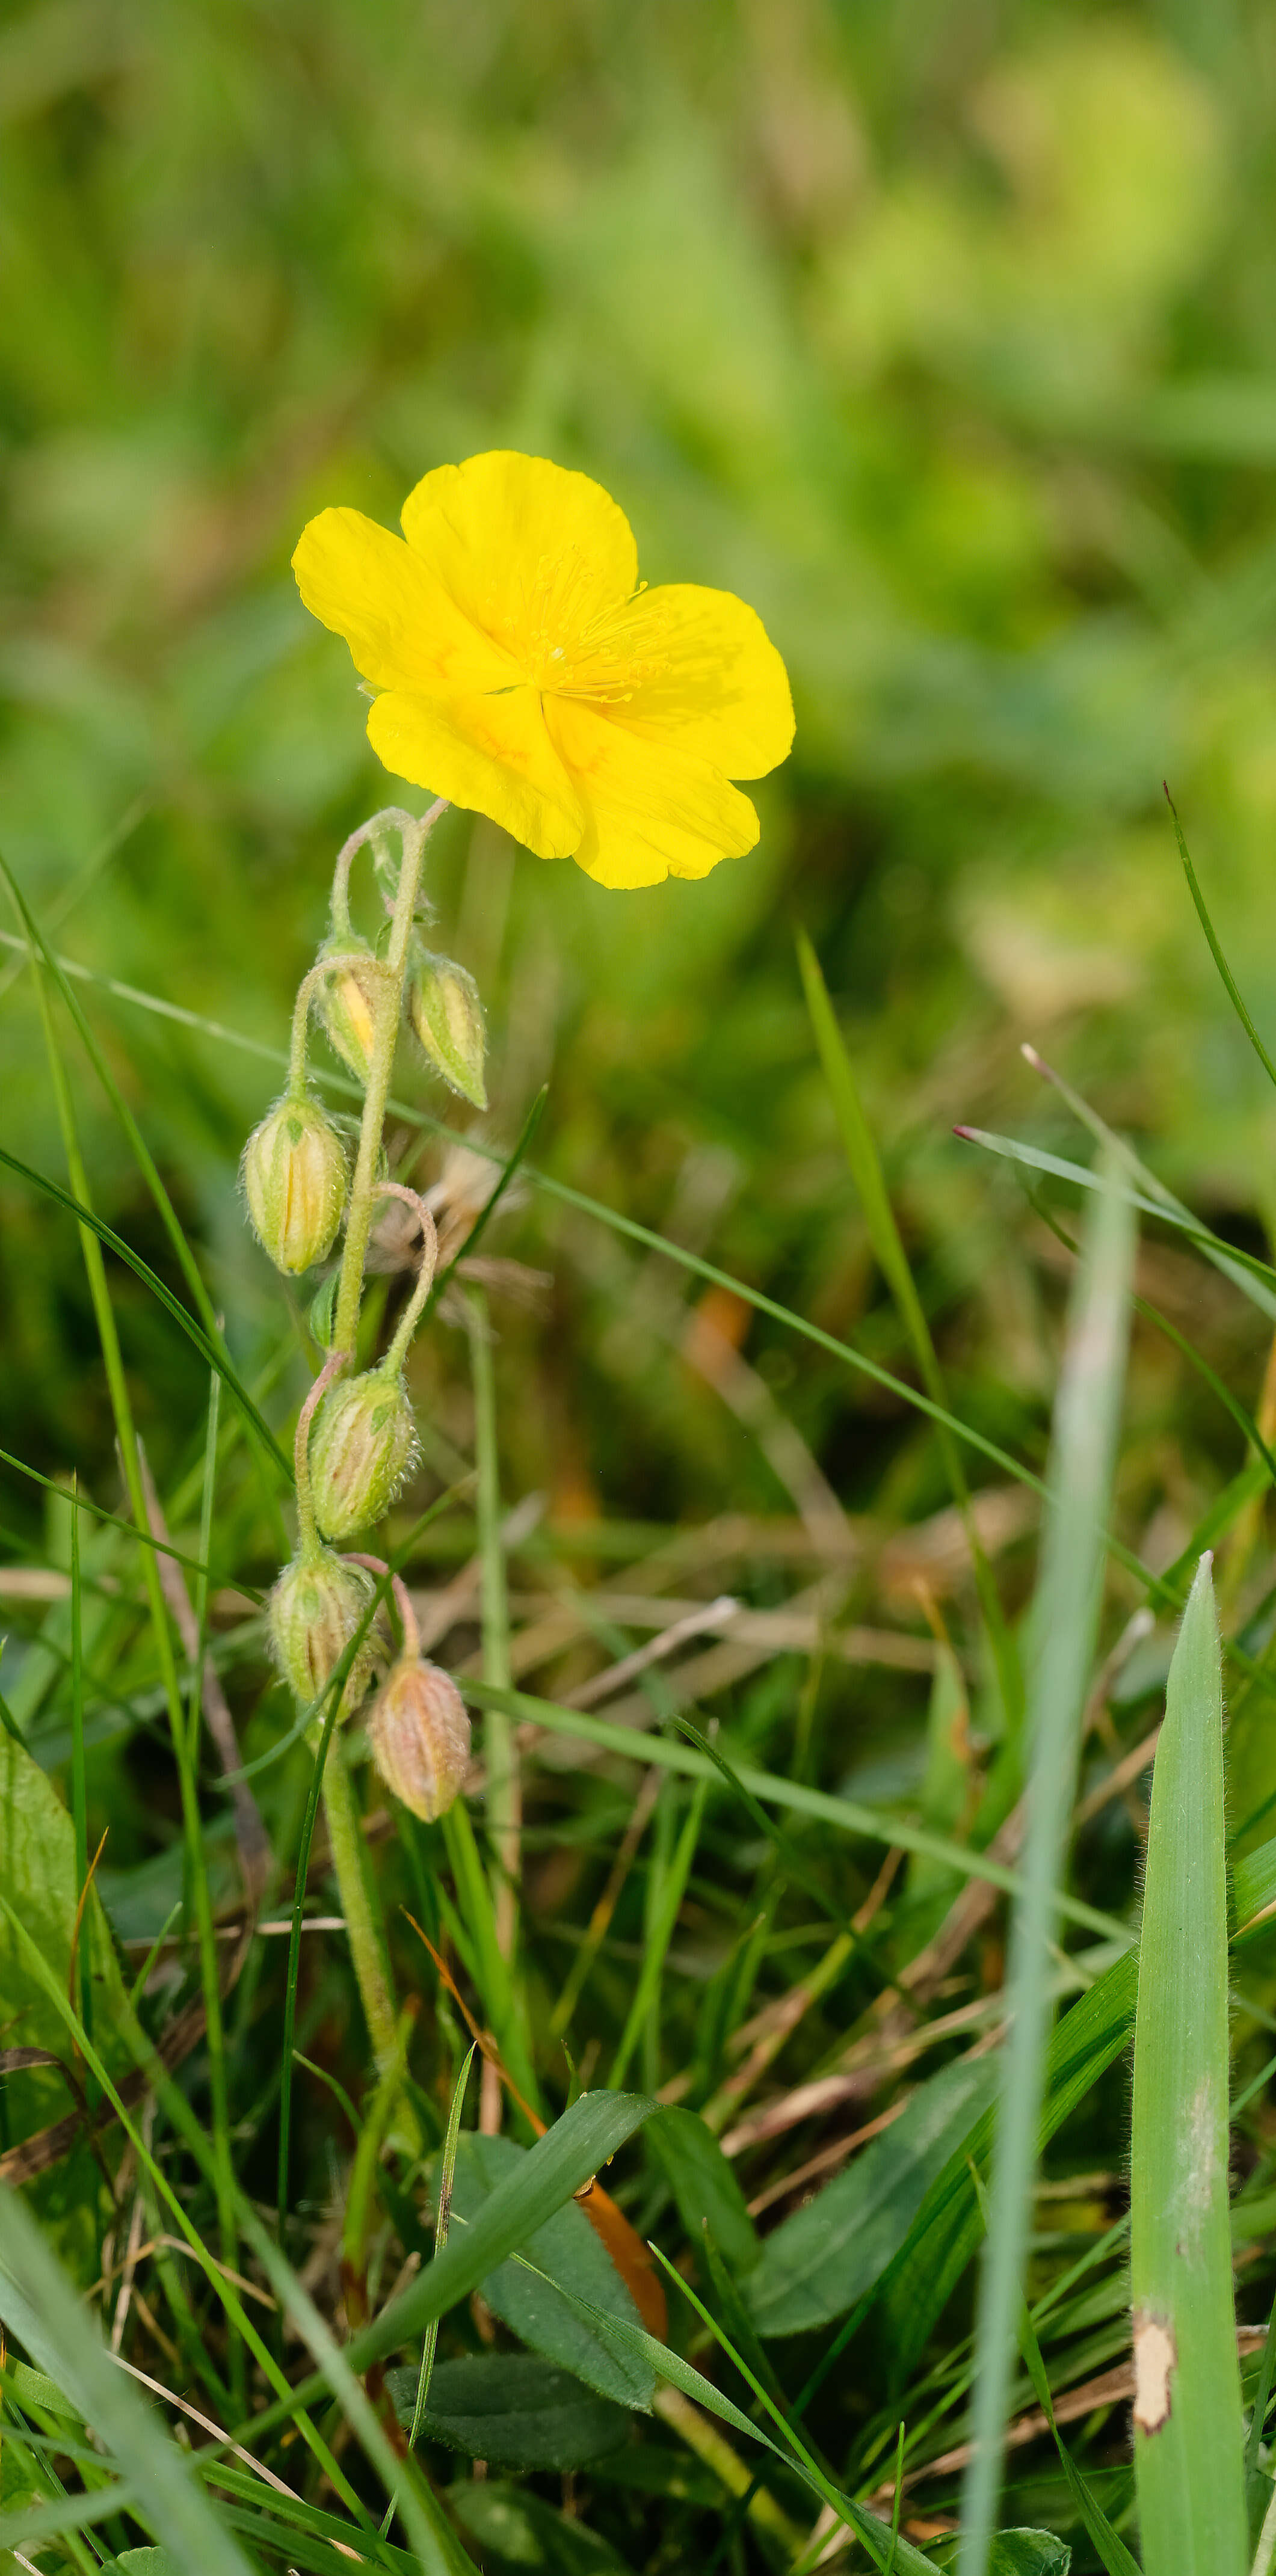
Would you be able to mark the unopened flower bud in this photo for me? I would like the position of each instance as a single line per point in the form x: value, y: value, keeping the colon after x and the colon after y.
x: 295, y: 1183
x: 447, y: 1016
x: 419, y: 1731
x: 347, y: 1006
x: 314, y: 1610
x: 362, y: 1446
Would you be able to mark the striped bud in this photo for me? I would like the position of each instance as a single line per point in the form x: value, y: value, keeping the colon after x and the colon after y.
x: 294, y: 1173
x: 347, y: 1006
x: 362, y: 1447
x: 447, y: 1016
x: 419, y: 1731
x: 313, y: 1613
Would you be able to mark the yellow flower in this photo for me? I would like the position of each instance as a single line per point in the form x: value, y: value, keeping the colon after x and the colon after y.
x: 522, y: 670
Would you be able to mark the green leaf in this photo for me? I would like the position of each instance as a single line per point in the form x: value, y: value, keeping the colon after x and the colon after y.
x: 1013, y: 2553
x: 1187, y: 2408
x: 565, y: 2250
x: 515, y: 2529
x: 947, y: 2229
x: 149, y: 2562
x: 571, y: 2153
x: 816, y: 2264
x: 512, y: 2409
x: 1255, y: 1278
x: 37, y: 1873
x: 1065, y: 1626
x: 705, y: 2185
x: 39, y: 2305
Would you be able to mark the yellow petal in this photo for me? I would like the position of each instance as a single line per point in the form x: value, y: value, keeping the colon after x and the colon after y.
x: 707, y: 674
x: 491, y: 754
x: 652, y: 809
x: 530, y: 551
x: 403, y: 628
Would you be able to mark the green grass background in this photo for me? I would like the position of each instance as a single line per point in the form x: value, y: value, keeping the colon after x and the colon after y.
x: 945, y: 337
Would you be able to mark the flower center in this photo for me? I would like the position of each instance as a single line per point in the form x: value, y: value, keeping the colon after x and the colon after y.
x: 572, y: 649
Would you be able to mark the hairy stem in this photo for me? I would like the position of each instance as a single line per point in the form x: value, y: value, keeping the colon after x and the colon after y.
x: 345, y: 1839
x: 386, y: 1017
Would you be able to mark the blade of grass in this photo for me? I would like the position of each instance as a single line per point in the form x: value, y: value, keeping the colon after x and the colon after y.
x: 141, y: 1151
x: 79, y: 1797
x: 41, y: 2305
x: 76, y: 1201
x: 659, y: 1935
x: 173, y: 2101
x: 846, y: 1814
x: 1230, y: 986
x: 437, y: 2547
x: 892, y: 1260
x: 1257, y: 1278
x: 504, y: 1801
x: 1187, y: 2405
x: 1128, y: 1161
x: 442, y: 2215
x: 1066, y: 1621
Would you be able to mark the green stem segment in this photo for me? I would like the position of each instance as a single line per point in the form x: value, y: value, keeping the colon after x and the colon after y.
x: 340, y: 1808
x: 345, y: 1840
x: 389, y: 1006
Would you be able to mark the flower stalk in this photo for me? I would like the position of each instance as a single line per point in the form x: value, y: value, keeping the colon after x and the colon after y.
x: 386, y: 1016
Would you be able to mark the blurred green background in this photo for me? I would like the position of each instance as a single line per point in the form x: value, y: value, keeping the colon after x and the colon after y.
x: 945, y: 336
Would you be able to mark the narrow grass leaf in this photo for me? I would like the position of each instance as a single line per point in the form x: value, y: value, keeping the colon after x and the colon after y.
x: 873, y: 1823
x: 40, y: 2305
x: 442, y: 2215
x: 1257, y: 1278
x: 1187, y: 2406
x: 439, y: 2551
x: 1067, y: 1609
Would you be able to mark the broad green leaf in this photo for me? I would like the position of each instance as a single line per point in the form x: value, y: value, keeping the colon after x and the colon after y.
x: 948, y: 2227
x: 1065, y: 1627
x: 567, y: 2250
x: 817, y: 2263
x: 577, y: 2147
x: 39, y: 2305
x: 1014, y: 2553
x: 512, y: 2409
x: 149, y: 2562
x: 37, y: 1873
x: 516, y: 2529
x: 705, y: 2185
x: 1187, y: 2406
x: 670, y: 2366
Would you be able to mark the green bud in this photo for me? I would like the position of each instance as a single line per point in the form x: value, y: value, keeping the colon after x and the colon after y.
x: 294, y: 1173
x: 447, y: 1016
x: 313, y: 1611
x: 419, y: 1731
x: 347, y: 1004
x: 361, y: 1448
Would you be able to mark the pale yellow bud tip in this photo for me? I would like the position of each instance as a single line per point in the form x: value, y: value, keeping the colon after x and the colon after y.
x: 419, y: 1731
x: 294, y: 1174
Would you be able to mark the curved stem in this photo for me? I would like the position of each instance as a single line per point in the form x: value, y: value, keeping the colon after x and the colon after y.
x: 391, y: 818
x: 412, y: 1312
x: 402, y: 1597
x: 307, y: 1533
x: 301, y: 1011
x: 389, y: 1004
